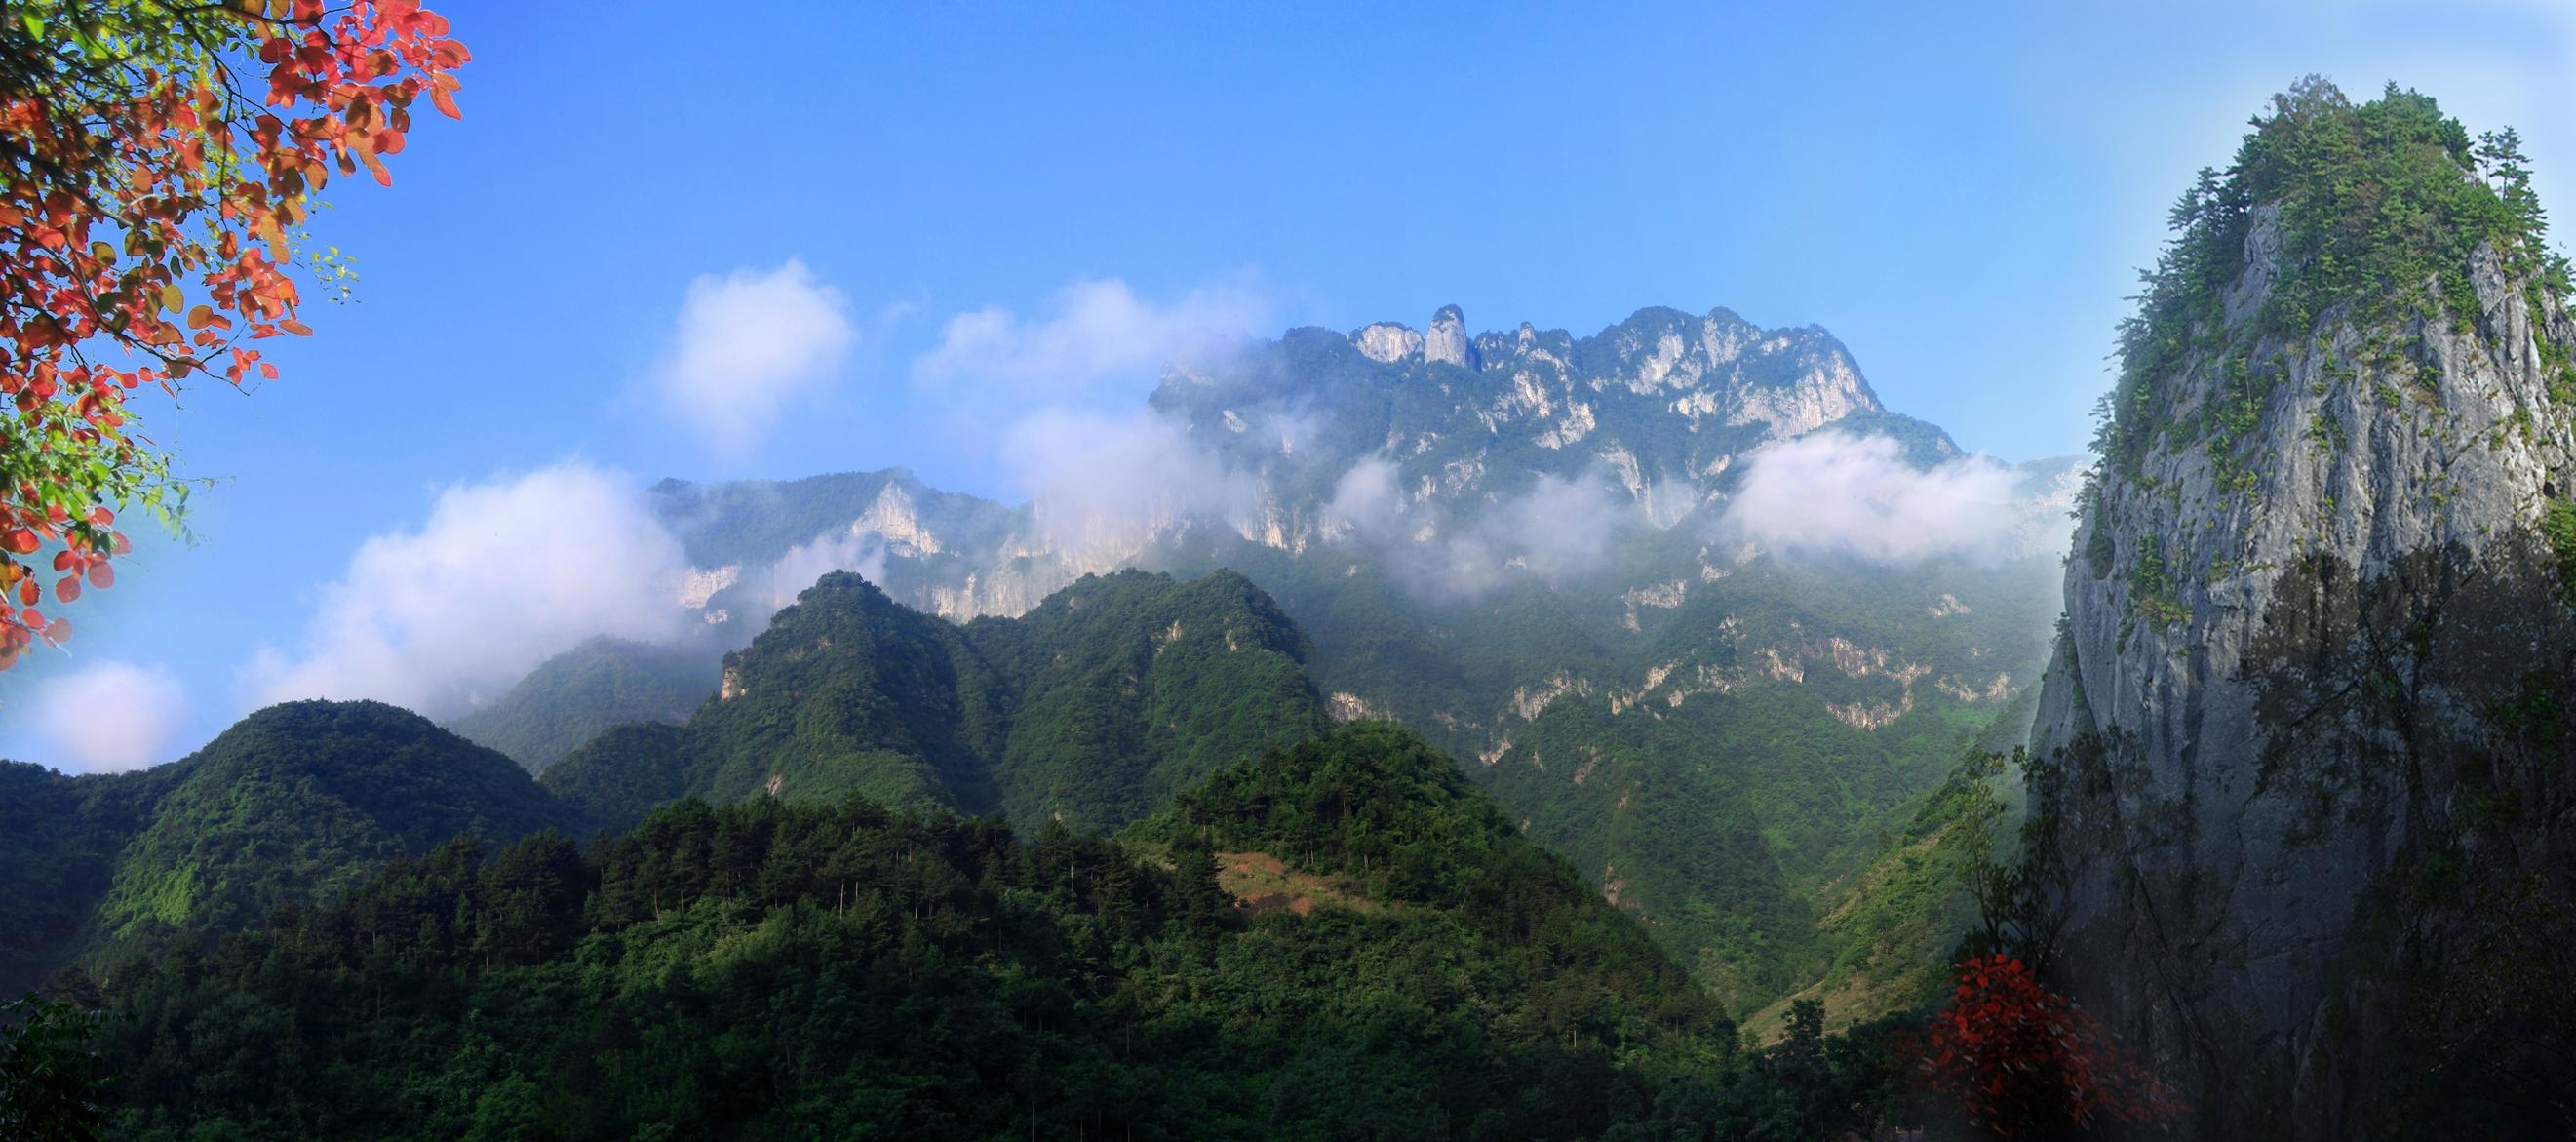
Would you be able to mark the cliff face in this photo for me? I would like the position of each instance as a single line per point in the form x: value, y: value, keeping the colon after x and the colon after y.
x: 2305, y: 749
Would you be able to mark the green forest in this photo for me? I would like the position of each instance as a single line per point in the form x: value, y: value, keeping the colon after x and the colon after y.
x: 782, y: 969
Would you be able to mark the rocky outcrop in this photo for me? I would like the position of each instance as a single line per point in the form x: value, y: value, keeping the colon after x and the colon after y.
x: 1447, y: 340
x: 2304, y: 738
x: 1387, y: 342
x: 895, y: 521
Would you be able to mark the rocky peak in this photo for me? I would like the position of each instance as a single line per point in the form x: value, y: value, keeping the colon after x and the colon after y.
x: 2312, y: 580
x: 1448, y: 341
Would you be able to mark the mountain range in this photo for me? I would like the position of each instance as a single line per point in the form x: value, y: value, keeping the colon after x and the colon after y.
x: 1525, y: 546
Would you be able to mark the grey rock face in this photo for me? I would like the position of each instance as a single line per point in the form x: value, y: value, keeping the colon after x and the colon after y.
x: 2283, y: 692
x: 1386, y: 342
x: 1663, y: 404
x: 1447, y: 340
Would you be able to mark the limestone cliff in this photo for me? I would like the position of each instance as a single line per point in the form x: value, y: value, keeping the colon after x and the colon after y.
x: 2304, y: 747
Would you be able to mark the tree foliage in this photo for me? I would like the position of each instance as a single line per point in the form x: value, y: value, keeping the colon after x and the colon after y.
x: 786, y: 969
x: 2026, y: 1062
x: 159, y: 162
x: 52, y: 1082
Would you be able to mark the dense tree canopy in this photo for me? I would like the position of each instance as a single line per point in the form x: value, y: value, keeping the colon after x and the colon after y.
x: 52, y: 1083
x: 1091, y: 709
x: 782, y: 969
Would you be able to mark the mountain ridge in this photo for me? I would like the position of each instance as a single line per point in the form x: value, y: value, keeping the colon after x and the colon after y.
x: 1088, y: 709
x: 284, y: 809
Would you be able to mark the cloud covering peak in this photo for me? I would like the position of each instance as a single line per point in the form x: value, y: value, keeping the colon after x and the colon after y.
x: 1834, y: 493
x: 1100, y: 332
x: 500, y: 576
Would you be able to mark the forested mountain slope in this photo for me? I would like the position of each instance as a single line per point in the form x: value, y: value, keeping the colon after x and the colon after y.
x: 568, y: 699
x: 1090, y: 710
x: 776, y: 968
x: 59, y: 840
x: 289, y: 807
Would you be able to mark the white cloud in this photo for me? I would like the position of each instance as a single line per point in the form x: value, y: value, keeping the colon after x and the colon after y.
x: 863, y: 552
x: 1103, y: 484
x: 748, y: 346
x: 111, y: 716
x: 501, y: 576
x: 1367, y: 499
x: 1834, y: 493
x: 1100, y: 332
x: 1055, y: 398
x: 1558, y: 530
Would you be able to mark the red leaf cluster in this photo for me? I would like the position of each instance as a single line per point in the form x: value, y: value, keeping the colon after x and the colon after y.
x: 139, y: 184
x: 2026, y: 1062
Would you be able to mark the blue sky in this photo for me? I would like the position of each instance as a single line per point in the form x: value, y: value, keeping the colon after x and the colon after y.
x: 1961, y: 192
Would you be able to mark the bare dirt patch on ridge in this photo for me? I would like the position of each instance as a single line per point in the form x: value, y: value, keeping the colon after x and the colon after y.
x: 1260, y: 882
